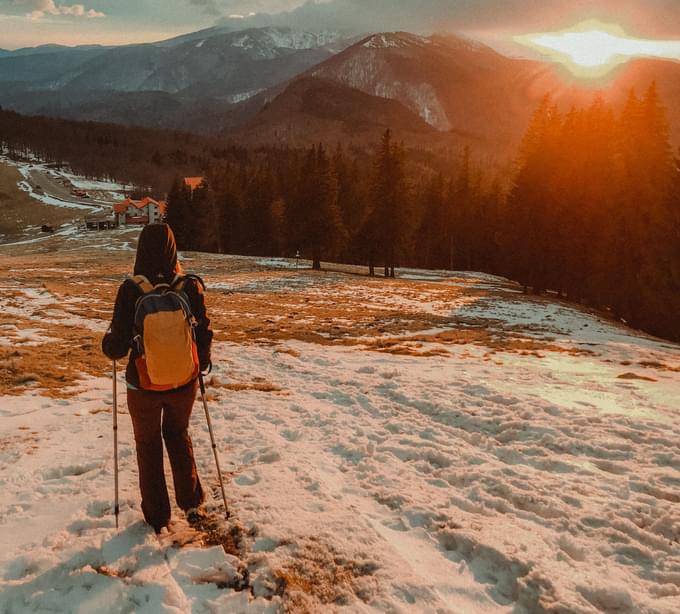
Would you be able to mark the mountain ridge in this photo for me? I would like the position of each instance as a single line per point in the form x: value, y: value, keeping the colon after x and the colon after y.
x: 219, y: 80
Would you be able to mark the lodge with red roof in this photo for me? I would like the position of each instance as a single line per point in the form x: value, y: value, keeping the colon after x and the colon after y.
x: 145, y: 211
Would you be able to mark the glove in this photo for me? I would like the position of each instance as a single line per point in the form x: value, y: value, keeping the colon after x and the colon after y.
x: 206, y: 368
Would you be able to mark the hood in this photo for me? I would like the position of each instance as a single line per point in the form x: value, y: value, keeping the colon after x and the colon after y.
x: 157, y: 254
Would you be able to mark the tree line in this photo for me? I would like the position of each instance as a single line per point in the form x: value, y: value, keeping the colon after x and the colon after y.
x: 145, y: 158
x: 591, y: 209
x: 594, y: 211
x: 383, y: 209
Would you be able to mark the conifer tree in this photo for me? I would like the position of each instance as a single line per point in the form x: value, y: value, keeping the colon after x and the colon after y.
x: 179, y: 213
x: 388, y: 198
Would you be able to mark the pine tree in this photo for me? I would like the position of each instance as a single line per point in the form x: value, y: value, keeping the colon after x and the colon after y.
x: 179, y: 213
x: 315, y: 220
x: 206, y: 235
x: 388, y: 203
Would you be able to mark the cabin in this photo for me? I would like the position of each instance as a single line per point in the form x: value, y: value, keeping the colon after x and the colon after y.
x: 99, y: 221
x: 139, y: 212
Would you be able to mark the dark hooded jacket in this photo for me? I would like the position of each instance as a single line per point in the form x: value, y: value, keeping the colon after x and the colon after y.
x: 157, y: 261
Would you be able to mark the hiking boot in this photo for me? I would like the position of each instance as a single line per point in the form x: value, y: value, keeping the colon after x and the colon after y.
x: 196, y: 515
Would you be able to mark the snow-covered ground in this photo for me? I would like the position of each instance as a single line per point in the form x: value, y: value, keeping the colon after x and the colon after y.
x: 443, y: 444
x: 101, y: 193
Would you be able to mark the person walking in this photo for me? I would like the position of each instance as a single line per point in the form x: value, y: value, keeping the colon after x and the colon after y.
x: 167, y: 349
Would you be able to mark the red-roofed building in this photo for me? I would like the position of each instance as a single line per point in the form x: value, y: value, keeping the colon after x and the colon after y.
x: 145, y: 211
x: 193, y: 182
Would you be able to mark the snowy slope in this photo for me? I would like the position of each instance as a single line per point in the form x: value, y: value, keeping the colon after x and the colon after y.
x: 435, y: 443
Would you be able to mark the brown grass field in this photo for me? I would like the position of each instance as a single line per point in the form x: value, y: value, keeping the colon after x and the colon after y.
x: 18, y: 211
x: 76, y: 282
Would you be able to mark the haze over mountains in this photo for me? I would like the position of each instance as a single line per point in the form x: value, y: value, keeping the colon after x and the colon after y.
x: 287, y: 86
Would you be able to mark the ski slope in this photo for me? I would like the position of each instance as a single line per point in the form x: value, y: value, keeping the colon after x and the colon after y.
x: 437, y: 443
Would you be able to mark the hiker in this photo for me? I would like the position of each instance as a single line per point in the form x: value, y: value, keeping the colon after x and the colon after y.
x: 160, y: 394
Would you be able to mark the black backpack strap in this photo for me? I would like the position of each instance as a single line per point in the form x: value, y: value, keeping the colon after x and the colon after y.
x: 180, y: 280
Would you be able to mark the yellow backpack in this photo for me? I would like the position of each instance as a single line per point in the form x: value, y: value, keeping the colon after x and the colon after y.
x: 164, y: 335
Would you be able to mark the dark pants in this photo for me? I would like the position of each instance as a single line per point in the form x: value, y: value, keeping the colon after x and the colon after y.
x: 164, y: 414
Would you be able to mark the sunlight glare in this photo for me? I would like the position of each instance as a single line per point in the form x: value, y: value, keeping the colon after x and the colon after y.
x: 592, y: 49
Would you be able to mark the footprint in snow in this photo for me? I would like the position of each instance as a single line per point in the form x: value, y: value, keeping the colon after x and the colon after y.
x: 291, y: 435
x: 56, y: 473
x: 248, y: 479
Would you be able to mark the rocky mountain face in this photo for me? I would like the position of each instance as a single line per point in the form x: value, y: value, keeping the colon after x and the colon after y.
x: 452, y: 83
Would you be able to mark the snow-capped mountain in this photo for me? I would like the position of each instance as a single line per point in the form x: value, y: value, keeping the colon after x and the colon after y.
x: 458, y: 86
x: 453, y: 83
x: 219, y: 79
x: 215, y: 63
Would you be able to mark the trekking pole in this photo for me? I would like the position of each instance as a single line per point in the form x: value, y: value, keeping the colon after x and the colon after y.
x: 214, y: 446
x: 116, y: 508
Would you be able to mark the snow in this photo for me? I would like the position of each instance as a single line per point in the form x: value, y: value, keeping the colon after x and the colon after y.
x: 102, y: 185
x: 57, y: 202
x: 267, y: 42
x: 105, y: 190
x: 395, y: 40
x: 234, y: 98
x: 480, y: 478
x: 63, y: 232
x: 284, y: 263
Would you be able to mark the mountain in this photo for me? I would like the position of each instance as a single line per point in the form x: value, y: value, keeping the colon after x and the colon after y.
x: 460, y: 88
x: 214, y: 65
x: 230, y: 65
x: 311, y: 109
x: 220, y: 80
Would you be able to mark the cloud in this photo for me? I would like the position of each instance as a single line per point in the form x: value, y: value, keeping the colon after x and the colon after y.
x: 209, y: 7
x: 237, y: 8
x: 37, y: 9
x: 650, y: 18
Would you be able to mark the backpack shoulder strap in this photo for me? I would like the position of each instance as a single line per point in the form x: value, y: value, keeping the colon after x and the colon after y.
x: 180, y: 280
x: 144, y: 284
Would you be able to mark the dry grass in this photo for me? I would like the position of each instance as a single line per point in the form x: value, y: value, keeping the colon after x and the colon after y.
x: 318, y: 577
x: 19, y: 211
x: 263, y: 307
x: 52, y: 367
x: 258, y: 386
x: 635, y: 376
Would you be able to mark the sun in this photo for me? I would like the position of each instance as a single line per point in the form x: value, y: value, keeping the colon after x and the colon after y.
x: 592, y: 49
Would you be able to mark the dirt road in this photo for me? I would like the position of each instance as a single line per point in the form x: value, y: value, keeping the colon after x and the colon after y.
x: 54, y: 187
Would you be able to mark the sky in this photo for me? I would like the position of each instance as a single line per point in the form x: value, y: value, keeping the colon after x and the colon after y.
x: 34, y: 22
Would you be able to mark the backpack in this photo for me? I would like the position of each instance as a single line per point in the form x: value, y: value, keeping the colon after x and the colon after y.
x: 164, y: 335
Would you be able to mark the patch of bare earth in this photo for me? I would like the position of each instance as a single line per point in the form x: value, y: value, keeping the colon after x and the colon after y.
x: 317, y: 577
x: 54, y: 367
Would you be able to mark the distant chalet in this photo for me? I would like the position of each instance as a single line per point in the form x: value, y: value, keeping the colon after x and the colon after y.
x: 147, y: 211
x: 139, y: 212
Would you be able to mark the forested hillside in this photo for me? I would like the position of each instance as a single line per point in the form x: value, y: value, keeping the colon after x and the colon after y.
x: 142, y: 156
x: 590, y: 211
